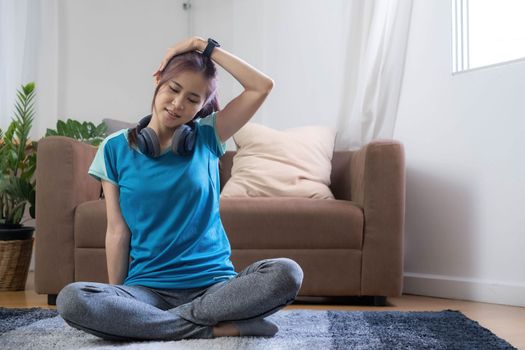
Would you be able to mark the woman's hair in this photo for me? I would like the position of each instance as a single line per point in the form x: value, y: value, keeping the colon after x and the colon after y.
x: 188, y: 61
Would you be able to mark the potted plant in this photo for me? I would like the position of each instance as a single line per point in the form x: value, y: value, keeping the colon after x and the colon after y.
x: 17, y: 189
x: 84, y: 132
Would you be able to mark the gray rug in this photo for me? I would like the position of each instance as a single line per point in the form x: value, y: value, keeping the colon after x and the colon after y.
x: 43, y: 329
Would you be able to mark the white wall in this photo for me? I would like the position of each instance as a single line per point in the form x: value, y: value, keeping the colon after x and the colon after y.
x: 463, y: 136
x: 299, y: 43
x: 107, y: 53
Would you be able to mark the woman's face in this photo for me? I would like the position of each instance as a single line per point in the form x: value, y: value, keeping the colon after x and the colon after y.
x: 179, y: 99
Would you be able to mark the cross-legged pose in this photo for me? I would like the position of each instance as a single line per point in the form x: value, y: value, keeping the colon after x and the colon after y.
x: 168, y: 255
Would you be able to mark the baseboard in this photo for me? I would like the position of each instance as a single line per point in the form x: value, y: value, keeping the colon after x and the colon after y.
x: 495, y: 292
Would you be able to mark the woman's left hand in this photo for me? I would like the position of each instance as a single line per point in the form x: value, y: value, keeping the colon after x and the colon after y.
x: 188, y: 44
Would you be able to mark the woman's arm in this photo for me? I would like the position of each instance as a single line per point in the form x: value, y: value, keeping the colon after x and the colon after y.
x: 256, y: 85
x: 117, y: 236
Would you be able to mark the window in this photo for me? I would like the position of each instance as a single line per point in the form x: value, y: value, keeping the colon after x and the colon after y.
x: 487, y: 32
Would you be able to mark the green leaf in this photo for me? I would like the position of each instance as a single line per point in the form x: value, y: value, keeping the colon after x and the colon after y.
x: 84, y: 131
x: 95, y: 142
x: 51, y: 132
x: 101, y: 129
x: 89, y: 126
x: 61, y: 128
x: 28, y: 89
x: 76, y: 127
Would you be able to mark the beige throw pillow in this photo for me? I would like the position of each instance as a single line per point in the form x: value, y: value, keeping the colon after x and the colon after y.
x: 290, y: 163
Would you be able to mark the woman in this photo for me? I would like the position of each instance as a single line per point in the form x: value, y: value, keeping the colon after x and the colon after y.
x: 168, y: 256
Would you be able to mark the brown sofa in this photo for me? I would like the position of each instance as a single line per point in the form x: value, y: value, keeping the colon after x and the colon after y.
x: 351, y: 246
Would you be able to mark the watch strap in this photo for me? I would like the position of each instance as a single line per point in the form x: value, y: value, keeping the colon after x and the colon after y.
x: 209, y: 48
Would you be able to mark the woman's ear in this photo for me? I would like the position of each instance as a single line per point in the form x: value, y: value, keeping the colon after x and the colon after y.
x: 156, y: 78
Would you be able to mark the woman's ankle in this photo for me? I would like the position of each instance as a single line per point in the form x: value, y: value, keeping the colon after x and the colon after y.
x: 225, y: 329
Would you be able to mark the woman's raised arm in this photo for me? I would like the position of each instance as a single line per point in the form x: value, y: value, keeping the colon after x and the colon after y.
x: 238, y: 111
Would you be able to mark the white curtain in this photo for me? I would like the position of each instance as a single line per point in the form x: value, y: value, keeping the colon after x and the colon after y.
x: 336, y: 63
x: 17, y: 52
x: 375, y: 59
x: 47, y: 70
x: 28, y: 52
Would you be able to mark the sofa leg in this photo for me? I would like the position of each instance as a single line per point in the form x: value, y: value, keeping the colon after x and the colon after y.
x: 367, y: 300
x: 51, y: 299
x: 379, y: 301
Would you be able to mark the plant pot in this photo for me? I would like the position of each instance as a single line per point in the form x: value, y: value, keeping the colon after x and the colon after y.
x: 16, y: 245
x: 10, y: 232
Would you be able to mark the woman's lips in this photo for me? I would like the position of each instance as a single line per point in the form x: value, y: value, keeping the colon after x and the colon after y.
x: 171, y: 114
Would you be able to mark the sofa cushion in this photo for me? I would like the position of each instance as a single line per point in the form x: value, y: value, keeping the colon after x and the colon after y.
x: 258, y: 223
x: 90, y: 224
x: 292, y: 223
x: 116, y: 125
x: 290, y: 163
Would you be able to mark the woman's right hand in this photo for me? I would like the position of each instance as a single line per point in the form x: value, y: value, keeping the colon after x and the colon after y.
x: 189, y: 44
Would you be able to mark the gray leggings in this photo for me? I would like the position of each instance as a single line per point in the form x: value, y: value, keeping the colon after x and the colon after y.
x: 120, y: 312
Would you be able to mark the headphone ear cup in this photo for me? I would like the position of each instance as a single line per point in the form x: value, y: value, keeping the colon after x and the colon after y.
x: 141, y: 142
x: 183, y: 140
x: 148, y: 142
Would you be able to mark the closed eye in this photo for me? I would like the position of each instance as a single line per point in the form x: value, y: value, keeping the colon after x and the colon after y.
x: 189, y: 99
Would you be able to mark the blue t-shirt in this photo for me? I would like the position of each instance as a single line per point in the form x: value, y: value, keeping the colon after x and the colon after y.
x: 171, y: 206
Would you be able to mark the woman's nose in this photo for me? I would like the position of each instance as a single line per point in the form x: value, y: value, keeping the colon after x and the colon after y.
x: 177, y: 104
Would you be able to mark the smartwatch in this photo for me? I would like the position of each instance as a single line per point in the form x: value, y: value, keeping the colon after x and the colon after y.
x: 209, y: 48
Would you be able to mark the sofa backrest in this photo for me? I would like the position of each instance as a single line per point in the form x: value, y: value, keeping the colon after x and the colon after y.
x: 339, y: 178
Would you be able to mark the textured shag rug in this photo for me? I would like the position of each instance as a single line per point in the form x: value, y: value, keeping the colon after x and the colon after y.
x: 43, y: 329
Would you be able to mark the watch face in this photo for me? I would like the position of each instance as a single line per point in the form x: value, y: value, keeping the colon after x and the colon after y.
x: 214, y: 42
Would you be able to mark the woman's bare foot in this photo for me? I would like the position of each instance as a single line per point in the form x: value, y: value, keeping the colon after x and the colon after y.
x: 225, y: 329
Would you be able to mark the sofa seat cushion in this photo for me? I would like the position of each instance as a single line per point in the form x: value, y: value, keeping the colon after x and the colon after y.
x: 258, y: 223
x: 292, y: 223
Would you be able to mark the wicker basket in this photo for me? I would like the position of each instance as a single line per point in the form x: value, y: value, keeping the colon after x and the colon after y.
x: 15, y: 257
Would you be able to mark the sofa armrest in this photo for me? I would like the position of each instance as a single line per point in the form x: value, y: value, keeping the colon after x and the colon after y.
x: 377, y: 175
x: 62, y: 183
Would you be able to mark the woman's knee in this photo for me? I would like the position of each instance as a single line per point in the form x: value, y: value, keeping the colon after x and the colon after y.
x: 290, y: 273
x: 70, y: 302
